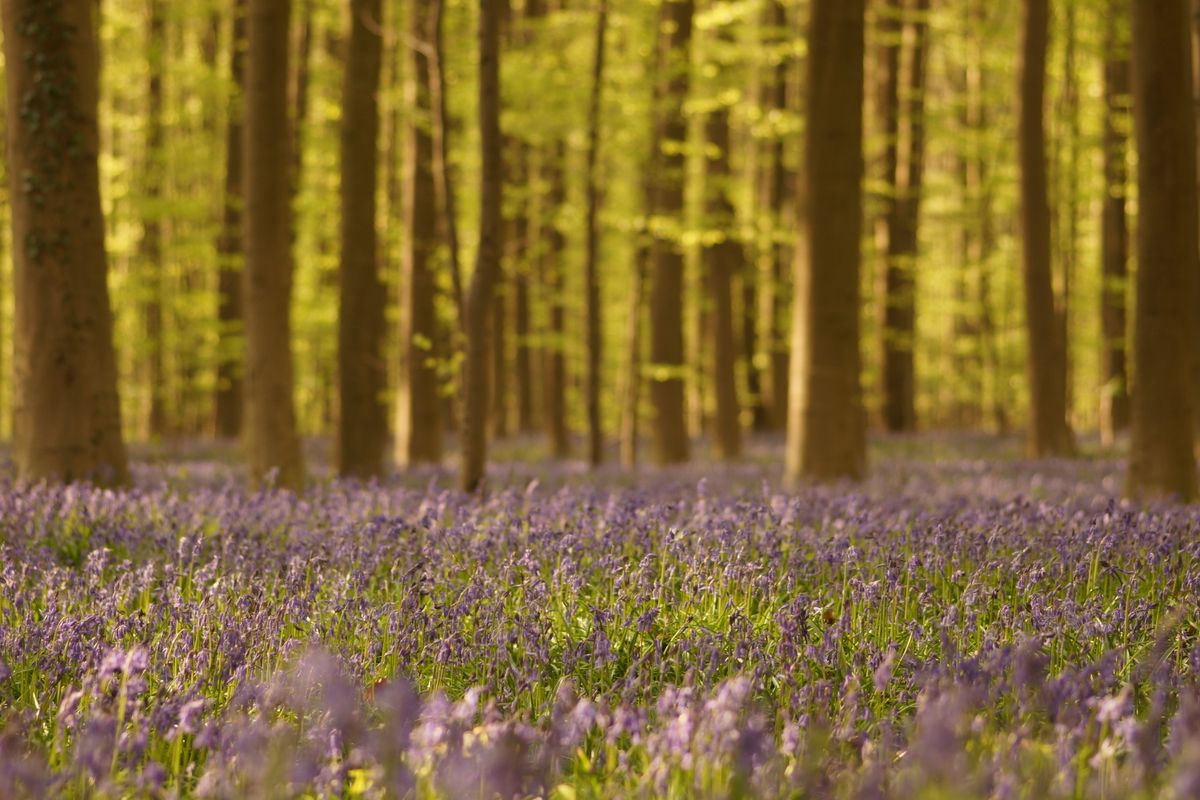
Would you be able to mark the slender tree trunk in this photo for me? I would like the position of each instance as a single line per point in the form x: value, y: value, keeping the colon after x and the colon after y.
x: 631, y: 397
x: 1068, y: 194
x: 418, y: 406
x: 230, y: 345
x: 152, y: 228
x: 771, y: 409
x: 499, y: 366
x: 983, y: 244
x: 1048, y: 433
x: 66, y: 413
x: 362, y: 377
x: 1114, y: 403
x: 890, y: 25
x: 1162, y: 462
x: 491, y: 246
x: 591, y: 267
x: 554, y: 362
x: 667, y: 352
x: 299, y: 100
x: 443, y: 181
x: 723, y: 258
x: 899, y: 277
x: 524, y: 362
x: 272, y: 442
x: 827, y: 426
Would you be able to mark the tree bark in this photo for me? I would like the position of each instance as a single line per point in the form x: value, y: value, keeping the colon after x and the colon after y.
x: 272, y: 443
x: 66, y: 413
x: 903, y: 241
x: 554, y: 362
x: 491, y: 246
x: 151, y: 247
x: 1162, y: 462
x: 771, y: 395
x: 890, y: 24
x: 667, y: 353
x: 1048, y: 433
x: 443, y: 182
x: 362, y: 377
x: 1196, y: 297
x: 724, y: 257
x: 230, y: 343
x: 1114, y: 240
x: 591, y: 267
x: 418, y: 406
x: 827, y: 426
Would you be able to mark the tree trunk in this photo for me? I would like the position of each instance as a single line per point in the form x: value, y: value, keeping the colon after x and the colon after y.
x: 983, y: 244
x: 1114, y: 240
x: 1048, y: 433
x: 554, y: 362
x: 890, y: 23
x: 1196, y: 317
x: 631, y: 395
x: 1161, y: 457
x: 272, y: 443
x: 499, y: 366
x: 771, y: 407
x: 491, y: 246
x: 667, y: 353
x: 723, y: 258
x: 66, y: 413
x: 827, y: 426
x: 418, y: 406
x: 362, y: 377
x: 524, y: 364
x: 151, y: 247
x: 443, y: 182
x: 298, y: 89
x: 591, y: 267
x: 230, y: 345
x: 903, y: 241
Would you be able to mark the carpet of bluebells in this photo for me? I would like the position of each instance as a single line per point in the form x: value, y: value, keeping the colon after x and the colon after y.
x: 957, y: 628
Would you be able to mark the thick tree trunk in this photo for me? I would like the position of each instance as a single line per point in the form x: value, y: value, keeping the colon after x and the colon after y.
x: 230, y: 345
x: 1114, y: 402
x: 667, y: 353
x: 66, y: 414
x: 418, y: 406
x: 827, y: 426
x: 591, y: 275
x: 1048, y: 433
x: 1196, y: 317
x: 272, y: 443
x: 491, y: 247
x: 362, y: 376
x: 1161, y: 457
x: 723, y: 258
x: 151, y: 247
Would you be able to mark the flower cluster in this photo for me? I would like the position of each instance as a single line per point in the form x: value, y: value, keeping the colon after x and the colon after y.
x: 979, y: 629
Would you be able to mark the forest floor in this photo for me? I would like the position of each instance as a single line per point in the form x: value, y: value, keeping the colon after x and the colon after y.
x: 965, y: 623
